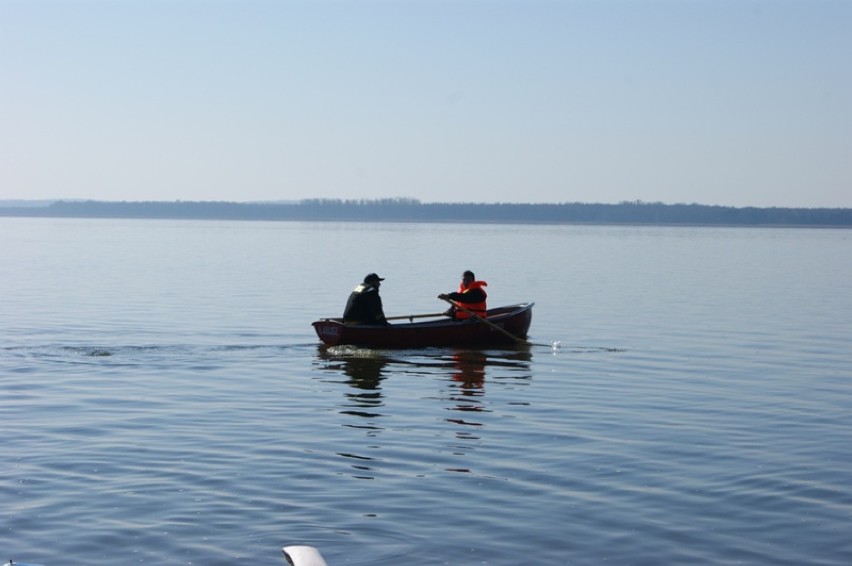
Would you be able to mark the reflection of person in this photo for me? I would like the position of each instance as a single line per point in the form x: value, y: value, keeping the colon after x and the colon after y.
x: 365, y: 372
x: 469, y: 370
x: 470, y: 295
x: 364, y: 305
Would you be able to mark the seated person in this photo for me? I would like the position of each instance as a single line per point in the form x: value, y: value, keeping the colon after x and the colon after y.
x: 470, y: 295
x: 364, y: 305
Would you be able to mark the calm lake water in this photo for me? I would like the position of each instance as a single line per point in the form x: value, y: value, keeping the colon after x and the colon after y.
x: 163, y: 399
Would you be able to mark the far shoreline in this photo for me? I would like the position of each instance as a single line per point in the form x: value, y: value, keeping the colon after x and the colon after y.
x: 634, y: 213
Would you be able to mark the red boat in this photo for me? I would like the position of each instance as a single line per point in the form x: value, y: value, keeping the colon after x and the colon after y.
x: 504, y: 326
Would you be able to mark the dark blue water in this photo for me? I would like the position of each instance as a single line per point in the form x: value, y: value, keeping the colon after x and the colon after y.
x: 163, y: 399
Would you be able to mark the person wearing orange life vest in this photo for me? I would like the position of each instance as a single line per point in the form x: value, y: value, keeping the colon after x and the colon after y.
x: 471, y: 295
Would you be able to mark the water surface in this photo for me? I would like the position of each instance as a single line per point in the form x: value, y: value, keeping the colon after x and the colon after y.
x: 164, y: 400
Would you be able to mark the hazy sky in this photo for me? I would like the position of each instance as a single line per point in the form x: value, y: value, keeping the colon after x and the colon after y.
x: 742, y: 103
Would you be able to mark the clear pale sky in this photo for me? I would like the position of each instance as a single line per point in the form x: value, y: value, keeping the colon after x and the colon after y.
x: 731, y: 102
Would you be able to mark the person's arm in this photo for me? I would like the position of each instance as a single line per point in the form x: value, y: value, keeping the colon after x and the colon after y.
x: 377, y: 310
x: 475, y: 295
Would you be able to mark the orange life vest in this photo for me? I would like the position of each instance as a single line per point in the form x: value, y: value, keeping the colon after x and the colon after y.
x: 477, y: 308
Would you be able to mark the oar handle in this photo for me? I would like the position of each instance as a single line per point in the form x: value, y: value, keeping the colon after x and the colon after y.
x: 412, y: 316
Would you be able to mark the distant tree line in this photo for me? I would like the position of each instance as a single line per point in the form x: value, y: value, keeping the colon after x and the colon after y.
x: 412, y: 210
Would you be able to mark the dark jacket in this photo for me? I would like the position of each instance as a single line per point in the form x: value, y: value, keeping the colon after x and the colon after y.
x: 364, y: 306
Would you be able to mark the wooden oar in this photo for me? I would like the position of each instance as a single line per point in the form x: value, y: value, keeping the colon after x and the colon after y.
x: 491, y: 324
x: 413, y: 316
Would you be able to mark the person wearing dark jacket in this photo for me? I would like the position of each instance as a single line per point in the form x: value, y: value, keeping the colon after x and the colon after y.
x: 471, y: 295
x: 364, y: 305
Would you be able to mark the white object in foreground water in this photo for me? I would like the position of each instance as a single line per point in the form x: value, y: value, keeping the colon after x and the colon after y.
x: 303, y: 556
x: 295, y: 555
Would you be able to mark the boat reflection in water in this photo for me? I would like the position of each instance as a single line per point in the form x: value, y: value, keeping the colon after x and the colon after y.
x: 373, y: 380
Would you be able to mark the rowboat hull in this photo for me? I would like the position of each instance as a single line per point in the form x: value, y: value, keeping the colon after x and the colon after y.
x: 503, y: 326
